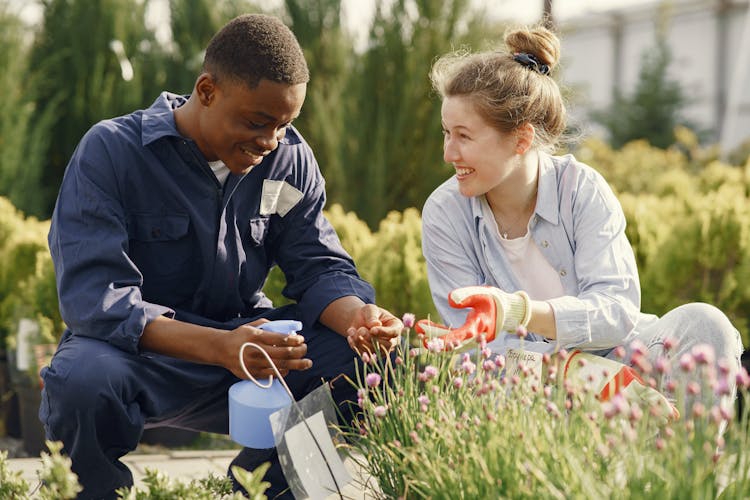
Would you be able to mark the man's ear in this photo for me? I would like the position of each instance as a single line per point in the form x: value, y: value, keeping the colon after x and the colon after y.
x: 205, y: 88
x: 524, y: 138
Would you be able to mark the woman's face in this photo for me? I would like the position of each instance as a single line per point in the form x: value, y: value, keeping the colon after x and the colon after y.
x: 484, y: 157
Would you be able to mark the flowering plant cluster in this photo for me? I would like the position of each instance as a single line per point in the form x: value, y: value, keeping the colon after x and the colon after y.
x: 436, y: 424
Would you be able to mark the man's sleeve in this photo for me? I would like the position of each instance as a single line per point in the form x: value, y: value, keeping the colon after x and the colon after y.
x: 98, y: 285
x: 317, y: 268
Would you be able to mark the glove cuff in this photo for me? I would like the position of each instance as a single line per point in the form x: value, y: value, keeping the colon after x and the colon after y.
x: 518, y: 312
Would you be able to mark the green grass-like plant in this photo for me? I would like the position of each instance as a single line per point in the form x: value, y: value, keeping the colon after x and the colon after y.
x: 437, y: 425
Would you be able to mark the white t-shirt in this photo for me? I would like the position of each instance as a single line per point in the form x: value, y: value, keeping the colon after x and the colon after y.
x: 220, y: 170
x: 534, y: 273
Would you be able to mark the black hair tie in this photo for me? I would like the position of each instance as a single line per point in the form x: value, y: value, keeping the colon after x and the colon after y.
x: 530, y: 61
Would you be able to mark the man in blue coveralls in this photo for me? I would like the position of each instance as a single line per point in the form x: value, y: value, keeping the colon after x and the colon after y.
x: 167, y: 223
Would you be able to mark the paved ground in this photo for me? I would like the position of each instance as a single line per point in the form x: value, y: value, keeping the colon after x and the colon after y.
x: 184, y: 466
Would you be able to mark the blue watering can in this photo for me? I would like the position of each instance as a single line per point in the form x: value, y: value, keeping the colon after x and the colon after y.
x: 251, y: 403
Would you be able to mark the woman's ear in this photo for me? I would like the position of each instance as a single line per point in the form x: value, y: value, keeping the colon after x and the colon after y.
x: 524, y: 138
x: 205, y: 87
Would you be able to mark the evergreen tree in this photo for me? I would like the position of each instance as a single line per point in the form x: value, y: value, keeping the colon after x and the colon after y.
x: 330, y: 54
x: 391, y: 147
x: 654, y: 109
x: 24, y: 126
x: 89, y: 59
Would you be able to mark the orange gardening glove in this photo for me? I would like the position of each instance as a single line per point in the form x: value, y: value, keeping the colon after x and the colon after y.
x: 608, y: 378
x: 493, y: 312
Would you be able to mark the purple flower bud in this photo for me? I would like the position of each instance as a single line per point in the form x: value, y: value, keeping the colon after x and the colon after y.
x: 662, y: 365
x: 468, y: 367
x: 436, y: 345
x: 380, y: 411
x: 408, y: 320
x: 373, y: 379
x: 703, y: 354
x: 423, y: 399
x: 521, y: 332
x: 687, y: 363
x: 500, y: 361
x: 669, y: 343
x: 458, y: 382
x: 638, y: 347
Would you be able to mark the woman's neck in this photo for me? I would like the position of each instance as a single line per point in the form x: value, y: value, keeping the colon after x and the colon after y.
x: 519, y: 191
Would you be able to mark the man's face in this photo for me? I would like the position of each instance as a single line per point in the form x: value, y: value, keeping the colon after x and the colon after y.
x: 240, y: 125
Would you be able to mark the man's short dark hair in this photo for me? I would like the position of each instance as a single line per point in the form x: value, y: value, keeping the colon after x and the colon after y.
x: 252, y: 47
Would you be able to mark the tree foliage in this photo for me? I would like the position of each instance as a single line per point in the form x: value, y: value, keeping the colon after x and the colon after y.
x: 653, y: 110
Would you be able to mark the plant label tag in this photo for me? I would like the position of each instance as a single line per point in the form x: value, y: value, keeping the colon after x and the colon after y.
x: 527, y: 365
x: 318, y: 466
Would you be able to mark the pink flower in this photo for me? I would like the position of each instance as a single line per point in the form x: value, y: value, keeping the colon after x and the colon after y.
x: 639, y: 361
x: 365, y: 358
x: 699, y: 410
x: 552, y: 409
x: 458, y: 382
x: 408, y: 320
x: 431, y: 371
x: 687, y: 363
x: 723, y: 388
x: 742, y: 378
x: 500, y: 361
x: 703, y: 354
x: 660, y: 444
x: 488, y: 365
x: 662, y: 365
x: 521, y: 332
x: 423, y: 400
x: 669, y: 343
x: 468, y: 367
x: 413, y: 352
x: 380, y: 411
x: 373, y: 379
x: 436, y: 345
x: 693, y: 388
x: 638, y: 347
x: 620, y: 352
x: 399, y: 361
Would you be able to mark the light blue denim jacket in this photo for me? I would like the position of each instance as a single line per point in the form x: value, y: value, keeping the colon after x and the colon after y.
x: 579, y: 227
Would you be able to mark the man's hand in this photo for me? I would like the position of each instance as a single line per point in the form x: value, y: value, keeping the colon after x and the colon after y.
x: 374, y: 330
x: 493, y: 312
x: 286, y: 351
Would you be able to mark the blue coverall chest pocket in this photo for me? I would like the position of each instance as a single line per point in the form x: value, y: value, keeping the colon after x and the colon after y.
x: 160, y: 243
x: 258, y: 230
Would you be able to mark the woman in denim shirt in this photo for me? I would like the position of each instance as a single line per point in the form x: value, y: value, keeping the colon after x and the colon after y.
x: 546, y: 232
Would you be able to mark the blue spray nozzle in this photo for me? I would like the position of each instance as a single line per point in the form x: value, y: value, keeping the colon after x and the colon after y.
x: 281, y: 326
